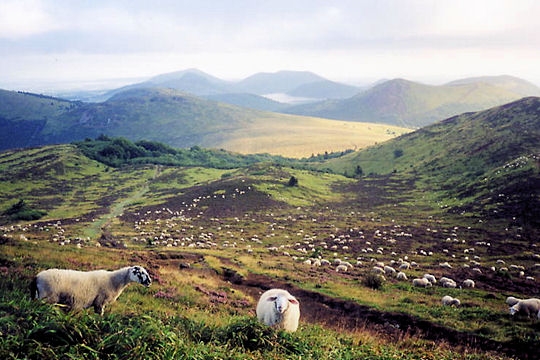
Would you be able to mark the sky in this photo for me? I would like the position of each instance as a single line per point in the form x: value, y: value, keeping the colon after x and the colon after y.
x: 93, y: 43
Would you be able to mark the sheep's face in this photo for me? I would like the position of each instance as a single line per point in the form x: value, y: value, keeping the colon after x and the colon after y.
x: 282, y: 303
x: 140, y: 275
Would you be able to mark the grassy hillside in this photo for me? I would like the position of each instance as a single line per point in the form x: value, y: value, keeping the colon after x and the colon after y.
x: 450, y: 200
x: 179, y: 120
x: 406, y: 103
x: 487, y: 160
x: 214, y: 239
x: 507, y: 82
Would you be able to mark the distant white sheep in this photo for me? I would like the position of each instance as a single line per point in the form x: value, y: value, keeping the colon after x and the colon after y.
x: 388, y: 270
x: 430, y: 278
x: 450, y: 301
x: 401, y: 276
x: 279, y: 309
x: 81, y: 289
x: 526, y: 307
x: 511, y: 301
x: 341, y: 268
x: 421, y: 282
x: 468, y: 283
x: 447, y: 282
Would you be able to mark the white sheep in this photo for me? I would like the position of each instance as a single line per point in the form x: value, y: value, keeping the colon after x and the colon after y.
x: 421, y: 282
x: 388, y: 270
x: 430, y: 278
x: 447, y: 282
x: 341, y: 268
x: 81, y: 289
x: 450, y: 301
x: 278, y: 308
x: 401, y: 276
x: 527, y: 307
x: 511, y: 301
x: 468, y: 283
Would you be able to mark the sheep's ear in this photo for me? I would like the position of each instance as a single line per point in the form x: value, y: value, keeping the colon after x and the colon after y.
x: 272, y: 298
x: 294, y: 301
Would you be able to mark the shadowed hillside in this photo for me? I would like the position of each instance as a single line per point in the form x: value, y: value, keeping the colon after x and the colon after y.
x: 487, y: 160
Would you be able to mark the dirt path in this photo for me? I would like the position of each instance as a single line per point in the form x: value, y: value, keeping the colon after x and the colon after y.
x: 117, y: 209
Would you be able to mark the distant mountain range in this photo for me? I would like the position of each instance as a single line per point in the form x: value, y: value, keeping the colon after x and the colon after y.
x: 301, y: 84
x: 410, y: 104
x: 397, y: 102
x: 190, y: 107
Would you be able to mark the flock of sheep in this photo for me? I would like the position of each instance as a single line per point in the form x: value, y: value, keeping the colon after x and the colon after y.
x: 181, y: 228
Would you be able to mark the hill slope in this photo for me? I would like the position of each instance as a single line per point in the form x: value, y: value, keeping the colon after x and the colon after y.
x: 406, y: 103
x: 489, y: 159
x: 179, y: 120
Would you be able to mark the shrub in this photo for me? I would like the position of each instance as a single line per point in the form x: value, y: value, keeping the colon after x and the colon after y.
x: 373, y: 281
x: 21, y: 211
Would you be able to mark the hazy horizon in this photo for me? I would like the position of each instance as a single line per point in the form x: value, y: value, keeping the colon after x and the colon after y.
x: 54, y: 44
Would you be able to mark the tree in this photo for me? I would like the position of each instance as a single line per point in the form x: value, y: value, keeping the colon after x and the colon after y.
x: 358, y: 171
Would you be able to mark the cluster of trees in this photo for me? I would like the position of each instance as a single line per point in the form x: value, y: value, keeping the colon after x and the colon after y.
x: 117, y: 152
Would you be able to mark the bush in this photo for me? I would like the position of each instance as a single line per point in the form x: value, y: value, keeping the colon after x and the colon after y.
x: 21, y: 211
x: 374, y: 281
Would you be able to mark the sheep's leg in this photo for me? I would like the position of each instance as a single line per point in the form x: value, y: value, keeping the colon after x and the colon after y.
x: 99, y: 305
x: 98, y: 308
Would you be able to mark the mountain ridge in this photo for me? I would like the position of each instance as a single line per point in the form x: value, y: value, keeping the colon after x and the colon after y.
x: 410, y: 104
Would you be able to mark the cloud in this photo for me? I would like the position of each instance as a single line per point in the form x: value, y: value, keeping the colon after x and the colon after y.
x: 238, y: 37
x: 20, y: 19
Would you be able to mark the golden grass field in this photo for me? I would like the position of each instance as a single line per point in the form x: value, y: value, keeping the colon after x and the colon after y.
x: 300, y: 136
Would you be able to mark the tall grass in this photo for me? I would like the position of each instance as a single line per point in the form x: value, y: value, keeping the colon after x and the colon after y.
x: 34, y: 330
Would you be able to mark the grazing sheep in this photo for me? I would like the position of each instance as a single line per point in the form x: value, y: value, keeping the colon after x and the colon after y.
x: 430, y: 278
x: 447, y: 282
x: 421, y: 282
x: 278, y: 308
x: 450, y: 301
x: 526, y: 307
x: 511, y: 301
x: 341, y: 267
x: 81, y: 289
x: 401, y: 276
x: 388, y: 270
x: 468, y: 283
x: 404, y: 266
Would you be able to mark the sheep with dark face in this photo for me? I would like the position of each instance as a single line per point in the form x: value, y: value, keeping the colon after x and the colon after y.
x: 81, y: 289
x: 279, y: 309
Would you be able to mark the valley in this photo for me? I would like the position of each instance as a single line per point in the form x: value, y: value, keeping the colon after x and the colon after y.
x: 214, y: 238
x: 221, y: 202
